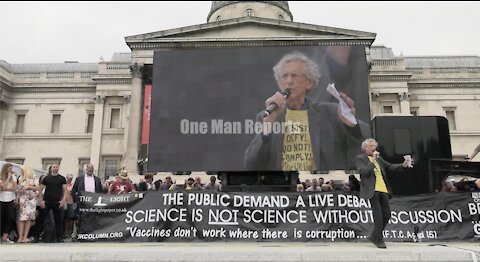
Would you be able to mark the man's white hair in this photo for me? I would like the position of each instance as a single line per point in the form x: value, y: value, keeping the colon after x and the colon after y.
x: 366, y: 141
x: 311, y: 68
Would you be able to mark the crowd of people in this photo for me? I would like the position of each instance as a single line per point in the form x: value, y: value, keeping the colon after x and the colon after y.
x: 319, y: 185
x: 31, y: 207
x: 46, y: 209
x: 122, y: 184
x: 463, y: 185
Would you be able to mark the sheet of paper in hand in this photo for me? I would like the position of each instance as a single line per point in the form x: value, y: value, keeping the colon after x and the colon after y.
x: 344, y: 108
x: 409, y: 159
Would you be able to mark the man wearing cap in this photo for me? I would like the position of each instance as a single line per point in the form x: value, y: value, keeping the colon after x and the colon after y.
x: 122, y: 185
x: 167, y: 184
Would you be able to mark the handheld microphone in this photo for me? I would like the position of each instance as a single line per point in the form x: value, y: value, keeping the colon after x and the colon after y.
x: 274, y: 106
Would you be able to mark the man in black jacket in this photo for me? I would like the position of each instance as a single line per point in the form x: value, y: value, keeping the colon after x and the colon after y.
x: 147, y: 184
x: 89, y: 183
x: 375, y: 187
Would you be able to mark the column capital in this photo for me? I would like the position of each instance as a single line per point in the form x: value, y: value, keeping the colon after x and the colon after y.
x: 404, y: 96
x: 136, y: 70
x: 1, y: 96
x: 375, y: 95
x: 369, y: 66
x: 98, y: 99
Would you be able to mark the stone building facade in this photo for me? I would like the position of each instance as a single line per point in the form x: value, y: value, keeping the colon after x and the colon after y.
x: 76, y: 113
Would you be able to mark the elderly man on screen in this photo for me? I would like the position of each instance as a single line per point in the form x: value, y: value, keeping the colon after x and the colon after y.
x: 316, y: 135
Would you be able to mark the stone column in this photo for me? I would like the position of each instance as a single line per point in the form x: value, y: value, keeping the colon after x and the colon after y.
x: 374, y: 104
x: 3, y: 120
x: 133, y: 132
x: 95, y: 149
x: 404, y: 102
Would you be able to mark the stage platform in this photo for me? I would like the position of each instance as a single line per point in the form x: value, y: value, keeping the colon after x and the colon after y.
x: 223, y: 252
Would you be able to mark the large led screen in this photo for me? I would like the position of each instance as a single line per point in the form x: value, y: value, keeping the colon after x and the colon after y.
x: 208, y: 109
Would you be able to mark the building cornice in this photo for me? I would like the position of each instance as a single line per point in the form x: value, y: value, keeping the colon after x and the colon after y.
x: 5, y: 83
x: 464, y: 133
x: 102, y: 79
x: 113, y: 81
x: 4, y: 86
x: 48, y: 136
x: 397, y: 76
x: 117, y: 65
x: 53, y: 89
x: 385, y: 62
x: 114, y: 132
x: 245, y: 42
x: 445, y: 85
